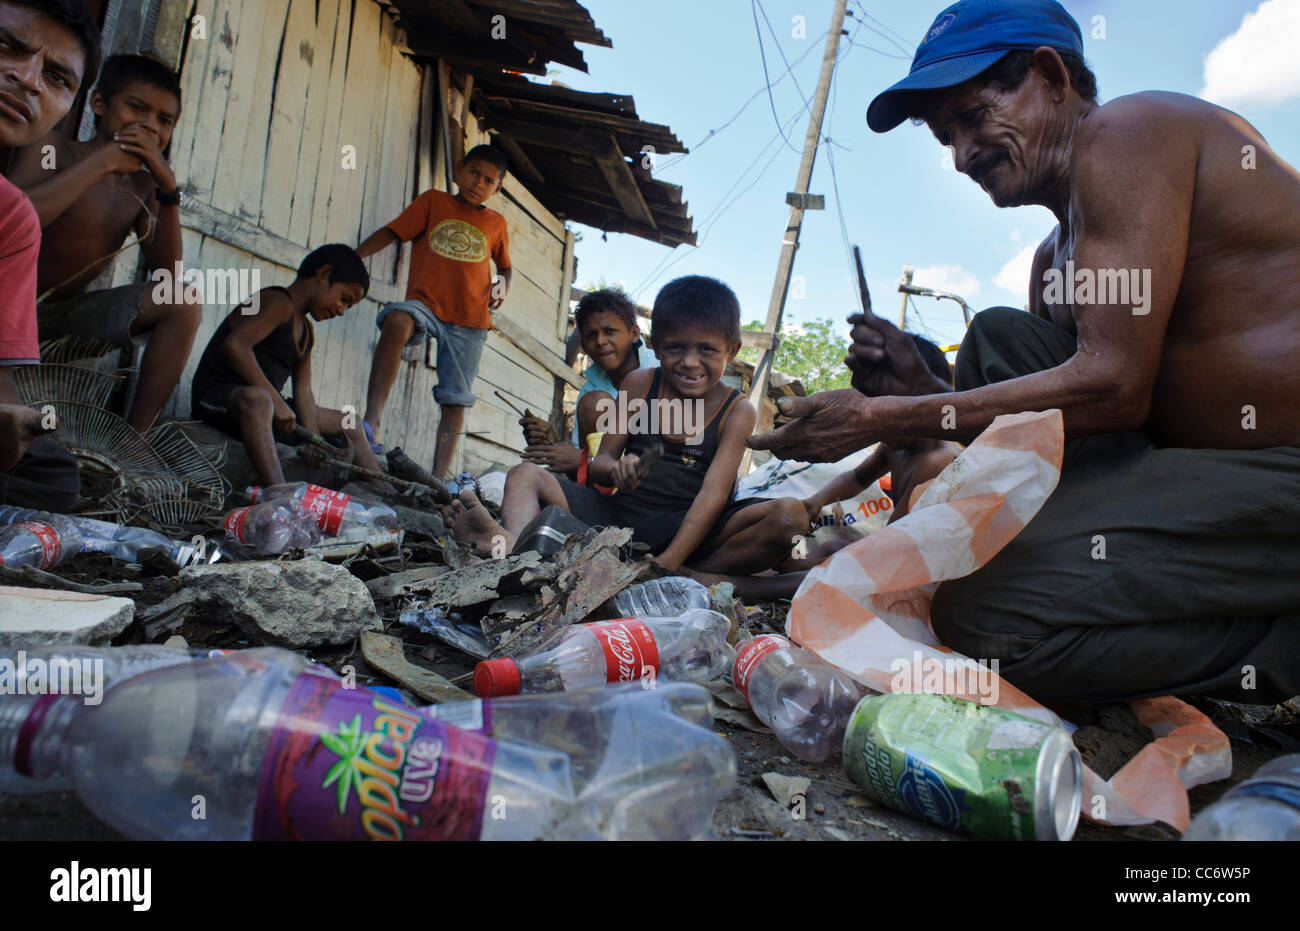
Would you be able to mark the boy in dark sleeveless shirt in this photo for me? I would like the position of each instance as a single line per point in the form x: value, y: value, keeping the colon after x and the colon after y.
x: 684, y: 507
x: 265, y: 341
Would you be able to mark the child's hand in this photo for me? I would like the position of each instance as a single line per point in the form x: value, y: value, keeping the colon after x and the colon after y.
x: 137, y: 141
x: 812, y: 507
x: 284, y: 419
x: 557, y: 457
x: 536, y: 431
x: 314, y: 456
x: 625, y: 476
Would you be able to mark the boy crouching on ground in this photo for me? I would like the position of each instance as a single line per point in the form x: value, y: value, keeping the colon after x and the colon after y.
x: 684, y: 508
x: 237, y: 386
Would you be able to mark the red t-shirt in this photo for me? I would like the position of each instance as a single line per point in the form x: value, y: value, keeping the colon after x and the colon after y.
x: 449, y: 262
x: 20, y: 244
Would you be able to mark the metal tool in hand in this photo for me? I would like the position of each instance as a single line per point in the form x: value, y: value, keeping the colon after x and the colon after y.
x: 414, y: 487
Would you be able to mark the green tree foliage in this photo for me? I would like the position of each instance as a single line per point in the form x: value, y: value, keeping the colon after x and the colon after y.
x: 812, y: 352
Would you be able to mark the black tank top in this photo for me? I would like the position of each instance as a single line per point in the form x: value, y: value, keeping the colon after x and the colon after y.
x: 277, y: 355
x: 675, y: 481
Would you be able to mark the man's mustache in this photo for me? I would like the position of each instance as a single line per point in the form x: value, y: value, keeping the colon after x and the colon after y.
x: 982, y: 165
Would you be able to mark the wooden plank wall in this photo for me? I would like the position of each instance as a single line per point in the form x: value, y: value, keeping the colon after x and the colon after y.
x: 270, y: 100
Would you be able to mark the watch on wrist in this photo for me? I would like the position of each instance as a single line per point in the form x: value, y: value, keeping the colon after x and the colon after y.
x: 168, y: 200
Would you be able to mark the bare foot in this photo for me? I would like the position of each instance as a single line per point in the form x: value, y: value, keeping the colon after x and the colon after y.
x: 471, y: 523
x: 19, y: 425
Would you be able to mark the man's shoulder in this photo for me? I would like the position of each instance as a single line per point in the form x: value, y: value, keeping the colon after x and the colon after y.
x: 1153, y: 117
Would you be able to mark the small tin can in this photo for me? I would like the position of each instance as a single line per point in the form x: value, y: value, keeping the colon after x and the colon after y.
x: 974, y: 768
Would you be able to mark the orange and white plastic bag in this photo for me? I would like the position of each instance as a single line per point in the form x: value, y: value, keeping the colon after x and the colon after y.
x: 867, y: 611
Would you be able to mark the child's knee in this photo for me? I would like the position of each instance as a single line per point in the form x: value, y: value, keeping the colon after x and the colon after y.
x: 253, y: 403
x: 525, y: 473
x: 398, y: 325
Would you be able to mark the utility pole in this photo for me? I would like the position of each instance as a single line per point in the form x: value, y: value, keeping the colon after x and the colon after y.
x: 799, y: 201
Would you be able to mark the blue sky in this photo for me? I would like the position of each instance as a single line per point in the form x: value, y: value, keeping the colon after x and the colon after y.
x: 692, y: 64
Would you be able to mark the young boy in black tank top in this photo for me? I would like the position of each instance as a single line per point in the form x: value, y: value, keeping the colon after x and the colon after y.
x: 684, y: 508
x: 237, y: 386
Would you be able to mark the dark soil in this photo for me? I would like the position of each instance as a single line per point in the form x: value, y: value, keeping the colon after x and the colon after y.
x: 1112, y: 739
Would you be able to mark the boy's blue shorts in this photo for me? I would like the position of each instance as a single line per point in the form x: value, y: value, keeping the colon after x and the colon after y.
x: 459, y: 350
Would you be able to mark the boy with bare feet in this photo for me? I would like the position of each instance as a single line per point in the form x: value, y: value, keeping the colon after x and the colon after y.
x: 89, y: 196
x: 683, y: 507
x: 265, y: 341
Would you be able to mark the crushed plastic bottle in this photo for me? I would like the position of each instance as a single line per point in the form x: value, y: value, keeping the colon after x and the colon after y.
x: 806, y: 702
x: 279, y: 750
x: 271, y: 528
x: 691, y: 647
x: 335, y: 514
x: 447, y: 627
x: 40, y: 675
x: 665, y: 597
x: 118, y: 540
x: 1264, y: 807
x: 43, y: 540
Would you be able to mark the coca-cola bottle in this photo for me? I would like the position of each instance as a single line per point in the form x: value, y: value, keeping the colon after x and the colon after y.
x: 691, y: 647
x: 277, y: 750
x: 336, y: 514
x: 42, y: 540
x: 806, y: 702
x: 272, y: 527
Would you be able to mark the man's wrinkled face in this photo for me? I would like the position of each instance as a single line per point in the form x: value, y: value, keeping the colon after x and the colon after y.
x: 998, y: 137
x: 41, y: 65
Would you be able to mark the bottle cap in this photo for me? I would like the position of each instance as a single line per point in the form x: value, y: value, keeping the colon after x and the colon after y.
x: 494, y: 677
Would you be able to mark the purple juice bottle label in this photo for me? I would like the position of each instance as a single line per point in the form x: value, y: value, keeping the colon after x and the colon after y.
x: 348, y: 764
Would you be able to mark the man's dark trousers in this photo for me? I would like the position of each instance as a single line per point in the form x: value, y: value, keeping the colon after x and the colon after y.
x: 1149, y: 571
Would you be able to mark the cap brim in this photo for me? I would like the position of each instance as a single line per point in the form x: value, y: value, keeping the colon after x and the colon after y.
x: 890, y: 106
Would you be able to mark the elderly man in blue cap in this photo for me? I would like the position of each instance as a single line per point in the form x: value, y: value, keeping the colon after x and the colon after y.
x: 1160, y: 323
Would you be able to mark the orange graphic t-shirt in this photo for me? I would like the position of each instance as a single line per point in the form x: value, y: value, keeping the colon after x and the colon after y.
x: 449, y: 261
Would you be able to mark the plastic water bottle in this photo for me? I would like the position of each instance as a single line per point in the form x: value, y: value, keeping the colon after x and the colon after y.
x: 127, y: 543
x: 269, y: 748
x: 272, y: 527
x: 336, y: 514
x: 806, y: 702
x: 691, y: 647
x: 71, y: 676
x: 1264, y: 807
x: 43, y: 541
x: 665, y: 597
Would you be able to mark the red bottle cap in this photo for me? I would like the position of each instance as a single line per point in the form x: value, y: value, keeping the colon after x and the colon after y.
x: 494, y: 677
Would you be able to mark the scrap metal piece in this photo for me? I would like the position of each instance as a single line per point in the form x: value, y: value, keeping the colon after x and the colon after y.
x: 385, y: 654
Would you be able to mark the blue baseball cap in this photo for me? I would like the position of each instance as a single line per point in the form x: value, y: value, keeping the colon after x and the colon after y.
x: 969, y: 37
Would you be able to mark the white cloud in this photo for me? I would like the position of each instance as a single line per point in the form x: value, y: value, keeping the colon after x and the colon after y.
x: 1258, y: 63
x: 952, y: 278
x: 1014, y: 276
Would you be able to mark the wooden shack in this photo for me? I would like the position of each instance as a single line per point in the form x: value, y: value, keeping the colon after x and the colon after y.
x: 312, y: 121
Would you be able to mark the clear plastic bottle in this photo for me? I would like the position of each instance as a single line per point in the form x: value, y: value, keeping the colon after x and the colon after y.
x: 664, y: 597
x: 1264, y: 807
x: 257, y: 745
x: 272, y: 527
x: 336, y: 514
x: 806, y: 702
x: 71, y: 675
x: 691, y: 647
x: 126, y: 543
x: 43, y: 541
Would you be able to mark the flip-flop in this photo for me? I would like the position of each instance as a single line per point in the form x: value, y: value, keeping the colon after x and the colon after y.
x: 376, y: 448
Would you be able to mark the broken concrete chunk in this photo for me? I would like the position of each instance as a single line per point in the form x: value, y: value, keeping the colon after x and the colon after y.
x: 31, y: 616
x: 305, y: 603
x: 784, y: 788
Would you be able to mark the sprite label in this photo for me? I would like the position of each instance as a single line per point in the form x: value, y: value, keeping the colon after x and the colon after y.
x: 963, y: 766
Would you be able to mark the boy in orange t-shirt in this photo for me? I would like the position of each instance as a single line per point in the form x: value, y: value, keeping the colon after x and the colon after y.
x: 449, y: 295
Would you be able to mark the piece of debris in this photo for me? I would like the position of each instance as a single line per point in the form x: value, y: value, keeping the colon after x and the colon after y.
x: 739, y: 718
x: 1109, y: 737
x: 727, y: 693
x: 169, y: 614
x: 836, y: 832
x: 471, y: 585
x: 395, y: 585
x: 784, y: 788
x: 31, y: 616
x: 31, y: 577
x: 447, y: 627
x: 857, y: 801
x: 303, y: 603
x: 385, y: 654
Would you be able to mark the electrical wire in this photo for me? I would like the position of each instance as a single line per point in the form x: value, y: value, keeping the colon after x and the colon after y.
x: 753, y: 8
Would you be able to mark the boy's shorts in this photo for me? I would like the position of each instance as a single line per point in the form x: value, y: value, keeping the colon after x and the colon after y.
x: 105, y: 315
x: 459, y: 350
x: 655, y: 527
x: 213, y: 408
x: 47, y: 477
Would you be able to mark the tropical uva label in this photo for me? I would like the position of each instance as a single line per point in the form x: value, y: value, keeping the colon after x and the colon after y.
x: 325, y: 507
x: 234, y: 523
x: 348, y: 764
x: 49, y: 539
x: 629, y: 647
x: 749, y: 654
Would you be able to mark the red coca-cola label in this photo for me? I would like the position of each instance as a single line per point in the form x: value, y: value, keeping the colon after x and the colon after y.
x: 325, y: 507
x: 749, y: 654
x: 630, y: 649
x: 234, y: 523
x: 49, y: 537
